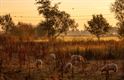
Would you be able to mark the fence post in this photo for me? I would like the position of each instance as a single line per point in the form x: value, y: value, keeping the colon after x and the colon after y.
x: 107, y: 75
x: 72, y: 76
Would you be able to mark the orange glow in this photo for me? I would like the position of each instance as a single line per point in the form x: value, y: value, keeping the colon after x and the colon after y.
x: 80, y: 10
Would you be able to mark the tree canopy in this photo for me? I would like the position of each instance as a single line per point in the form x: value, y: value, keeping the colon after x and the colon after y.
x: 7, y: 23
x: 121, y: 29
x: 98, y: 25
x: 23, y: 30
x: 118, y: 8
x: 56, y: 22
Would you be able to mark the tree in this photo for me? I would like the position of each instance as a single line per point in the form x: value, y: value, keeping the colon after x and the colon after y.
x: 7, y: 23
x: 118, y: 8
x: 56, y: 22
x: 121, y: 29
x: 98, y: 26
x: 24, y: 31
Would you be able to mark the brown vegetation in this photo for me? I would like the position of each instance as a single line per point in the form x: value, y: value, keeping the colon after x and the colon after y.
x: 20, y: 57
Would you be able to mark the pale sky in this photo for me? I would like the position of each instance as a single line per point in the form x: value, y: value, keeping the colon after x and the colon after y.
x: 80, y: 10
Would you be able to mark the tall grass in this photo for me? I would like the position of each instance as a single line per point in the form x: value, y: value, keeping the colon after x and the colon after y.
x: 90, y: 49
x: 20, y: 54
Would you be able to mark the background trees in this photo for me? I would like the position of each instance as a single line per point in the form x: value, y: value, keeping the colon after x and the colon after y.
x: 120, y: 29
x: 24, y: 31
x: 97, y: 26
x: 7, y: 23
x: 56, y: 22
x: 118, y: 8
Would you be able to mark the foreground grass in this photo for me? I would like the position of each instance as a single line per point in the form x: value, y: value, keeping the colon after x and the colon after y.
x: 18, y: 59
x: 91, y: 72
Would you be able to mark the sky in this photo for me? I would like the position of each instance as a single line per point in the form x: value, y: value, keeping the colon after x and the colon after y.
x: 80, y: 10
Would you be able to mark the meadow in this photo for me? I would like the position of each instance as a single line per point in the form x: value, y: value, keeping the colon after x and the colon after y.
x: 18, y: 59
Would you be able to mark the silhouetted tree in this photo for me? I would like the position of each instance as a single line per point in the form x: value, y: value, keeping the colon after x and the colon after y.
x: 121, y: 29
x: 97, y: 26
x: 118, y: 8
x: 25, y: 31
x: 7, y: 23
x: 56, y: 22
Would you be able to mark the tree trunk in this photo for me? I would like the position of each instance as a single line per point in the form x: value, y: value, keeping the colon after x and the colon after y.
x: 98, y: 37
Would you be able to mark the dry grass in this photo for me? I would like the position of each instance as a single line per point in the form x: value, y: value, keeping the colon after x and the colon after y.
x: 18, y: 59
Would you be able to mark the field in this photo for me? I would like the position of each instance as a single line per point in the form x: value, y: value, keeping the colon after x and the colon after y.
x: 18, y: 60
x: 87, y: 37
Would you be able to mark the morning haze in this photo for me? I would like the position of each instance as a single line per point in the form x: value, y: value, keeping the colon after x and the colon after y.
x: 45, y: 40
x: 80, y: 10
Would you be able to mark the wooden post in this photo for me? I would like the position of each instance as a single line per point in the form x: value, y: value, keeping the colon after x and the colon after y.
x: 62, y: 75
x: 61, y: 70
x: 107, y: 75
x: 72, y: 76
x: 1, y: 65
